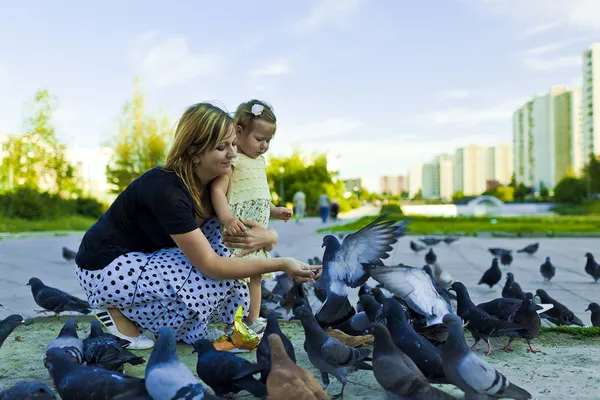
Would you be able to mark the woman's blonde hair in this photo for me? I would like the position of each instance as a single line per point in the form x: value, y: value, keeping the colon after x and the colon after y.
x: 201, y: 127
x: 244, y: 116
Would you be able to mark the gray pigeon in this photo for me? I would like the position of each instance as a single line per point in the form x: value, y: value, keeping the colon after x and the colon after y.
x: 547, y: 270
x: 343, y: 265
x: 76, y: 382
x: 106, y: 351
x: 8, y: 325
x: 595, y: 309
x: 397, y: 373
x: 55, y: 300
x: 68, y: 341
x: 68, y: 254
x: 415, y: 287
x: 28, y: 391
x: 329, y: 355
x: 166, y: 376
x: 471, y: 374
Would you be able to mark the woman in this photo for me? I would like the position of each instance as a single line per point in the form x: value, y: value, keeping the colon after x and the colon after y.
x: 156, y: 256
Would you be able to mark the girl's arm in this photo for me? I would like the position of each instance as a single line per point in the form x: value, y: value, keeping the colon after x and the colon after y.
x: 218, y: 196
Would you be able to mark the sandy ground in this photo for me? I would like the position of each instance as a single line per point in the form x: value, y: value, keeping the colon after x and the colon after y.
x: 564, y: 370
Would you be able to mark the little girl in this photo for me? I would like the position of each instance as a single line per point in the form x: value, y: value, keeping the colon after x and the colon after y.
x: 245, y: 193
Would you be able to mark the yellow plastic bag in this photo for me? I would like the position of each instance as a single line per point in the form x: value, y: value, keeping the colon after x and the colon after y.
x: 243, y: 338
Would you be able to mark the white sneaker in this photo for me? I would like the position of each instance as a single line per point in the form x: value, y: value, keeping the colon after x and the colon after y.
x: 141, y: 342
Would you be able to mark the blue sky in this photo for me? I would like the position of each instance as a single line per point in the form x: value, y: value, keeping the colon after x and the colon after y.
x: 380, y: 85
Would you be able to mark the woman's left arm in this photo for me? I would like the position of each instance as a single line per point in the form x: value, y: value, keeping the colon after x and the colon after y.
x: 256, y: 238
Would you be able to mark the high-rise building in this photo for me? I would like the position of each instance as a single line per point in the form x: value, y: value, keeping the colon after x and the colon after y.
x: 393, y: 185
x: 415, y: 180
x: 470, y: 170
x: 578, y: 157
x: 544, y: 132
x: 431, y: 180
x: 591, y: 101
x: 499, y: 163
x: 446, y: 168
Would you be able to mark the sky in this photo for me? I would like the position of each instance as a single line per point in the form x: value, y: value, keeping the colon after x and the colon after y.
x: 378, y: 85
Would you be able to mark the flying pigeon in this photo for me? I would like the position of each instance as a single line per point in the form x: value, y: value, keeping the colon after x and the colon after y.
x: 343, y: 266
x: 470, y: 373
x: 55, y: 300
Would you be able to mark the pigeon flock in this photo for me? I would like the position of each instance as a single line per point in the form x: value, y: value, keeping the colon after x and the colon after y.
x: 407, y: 330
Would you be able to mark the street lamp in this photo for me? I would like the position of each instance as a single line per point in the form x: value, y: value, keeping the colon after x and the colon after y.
x: 281, y: 201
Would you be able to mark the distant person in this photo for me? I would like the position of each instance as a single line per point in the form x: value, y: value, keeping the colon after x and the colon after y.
x: 334, y: 209
x: 324, y: 207
x: 156, y: 257
x: 299, y: 205
x: 245, y: 195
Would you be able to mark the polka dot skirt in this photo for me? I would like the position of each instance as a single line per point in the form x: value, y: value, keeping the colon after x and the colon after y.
x: 164, y: 289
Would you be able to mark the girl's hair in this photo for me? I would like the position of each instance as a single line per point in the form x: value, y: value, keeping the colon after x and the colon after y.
x: 201, y: 127
x: 244, y: 115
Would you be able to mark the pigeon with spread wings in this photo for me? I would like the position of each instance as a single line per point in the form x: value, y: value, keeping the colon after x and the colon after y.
x: 343, y: 265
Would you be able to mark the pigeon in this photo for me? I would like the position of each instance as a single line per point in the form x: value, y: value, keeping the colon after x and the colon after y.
x: 547, y: 270
x: 504, y: 308
x: 295, y: 295
x: 227, y: 373
x: 481, y: 324
x: 68, y: 341
x: 166, y: 376
x: 55, y: 300
x: 530, y: 249
x: 498, y: 251
x: 591, y: 267
x: 263, y: 351
x: 415, y: 287
x: 76, y: 382
x: 506, y: 259
x: 559, y: 314
x: 430, y: 240
x: 371, y: 307
x: 27, y: 391
x: 329, y: 355
x: 356, y: 325
x: 527, y: 316
x: 430, y: 257
x: 268, y: 296
x: 470, y: 373
x: 424, y: 354
x: 512, y: 289
x: 106, y: 351
x: 343, y: 266
x: 8, y: 325
x: 446, y: 295
x: 397, y: 373
x: 68, y: 254
x: 416, y: 247
x: 595, y: 309
x: 284, y: 284
x: 443, y: 277
x: 492, y: 275
x: 287, y: 380
x: 450, y: 239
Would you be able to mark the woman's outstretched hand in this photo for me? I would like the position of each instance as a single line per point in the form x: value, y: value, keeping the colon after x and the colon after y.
x: 300, y: 271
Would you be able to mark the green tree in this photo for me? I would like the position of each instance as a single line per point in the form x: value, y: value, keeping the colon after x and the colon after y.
x: 418, y: 195
x: 458, y: 196
x: 36, y: 160
x: 513, y: 181
x: 570, y: 190
x: 591, y: 175
x: 140, y: 144
x: 522, y: 192
x: 544, y: 192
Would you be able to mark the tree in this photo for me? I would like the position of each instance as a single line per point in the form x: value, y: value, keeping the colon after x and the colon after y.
x: 591, y: 175
x: 513, y: 181
x: 544, y: 192
x: 570, y: 190
x: 522, y: 192
x: 36, y: 160
x: 140, y: 144
x: 418, y: 195
x: 503, y: 193
x: 458, y: 196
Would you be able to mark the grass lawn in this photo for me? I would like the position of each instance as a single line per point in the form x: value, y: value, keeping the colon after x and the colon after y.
x: 72, y: 223
x: 471, y: 225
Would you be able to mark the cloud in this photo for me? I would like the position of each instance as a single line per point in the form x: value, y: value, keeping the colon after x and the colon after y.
x: 454, y: 94
x: 552, y: 64
x: 170, y: 61
x: 542, y: 28
x: 548, y: 48
x: 273, y: 68
x: 472, y: 116
x: 325, y: 12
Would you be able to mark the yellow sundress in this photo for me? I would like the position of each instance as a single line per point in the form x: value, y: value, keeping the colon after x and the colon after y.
x: 249, y: 196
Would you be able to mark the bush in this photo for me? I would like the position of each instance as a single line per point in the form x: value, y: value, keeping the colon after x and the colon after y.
x: 33, y: 205
x: 392, y: 208
x: 570, y: 190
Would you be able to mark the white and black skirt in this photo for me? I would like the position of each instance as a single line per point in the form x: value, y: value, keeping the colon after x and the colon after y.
x: 164, y: 289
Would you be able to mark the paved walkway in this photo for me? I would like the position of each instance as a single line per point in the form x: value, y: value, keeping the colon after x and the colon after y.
x: 465, y: 260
